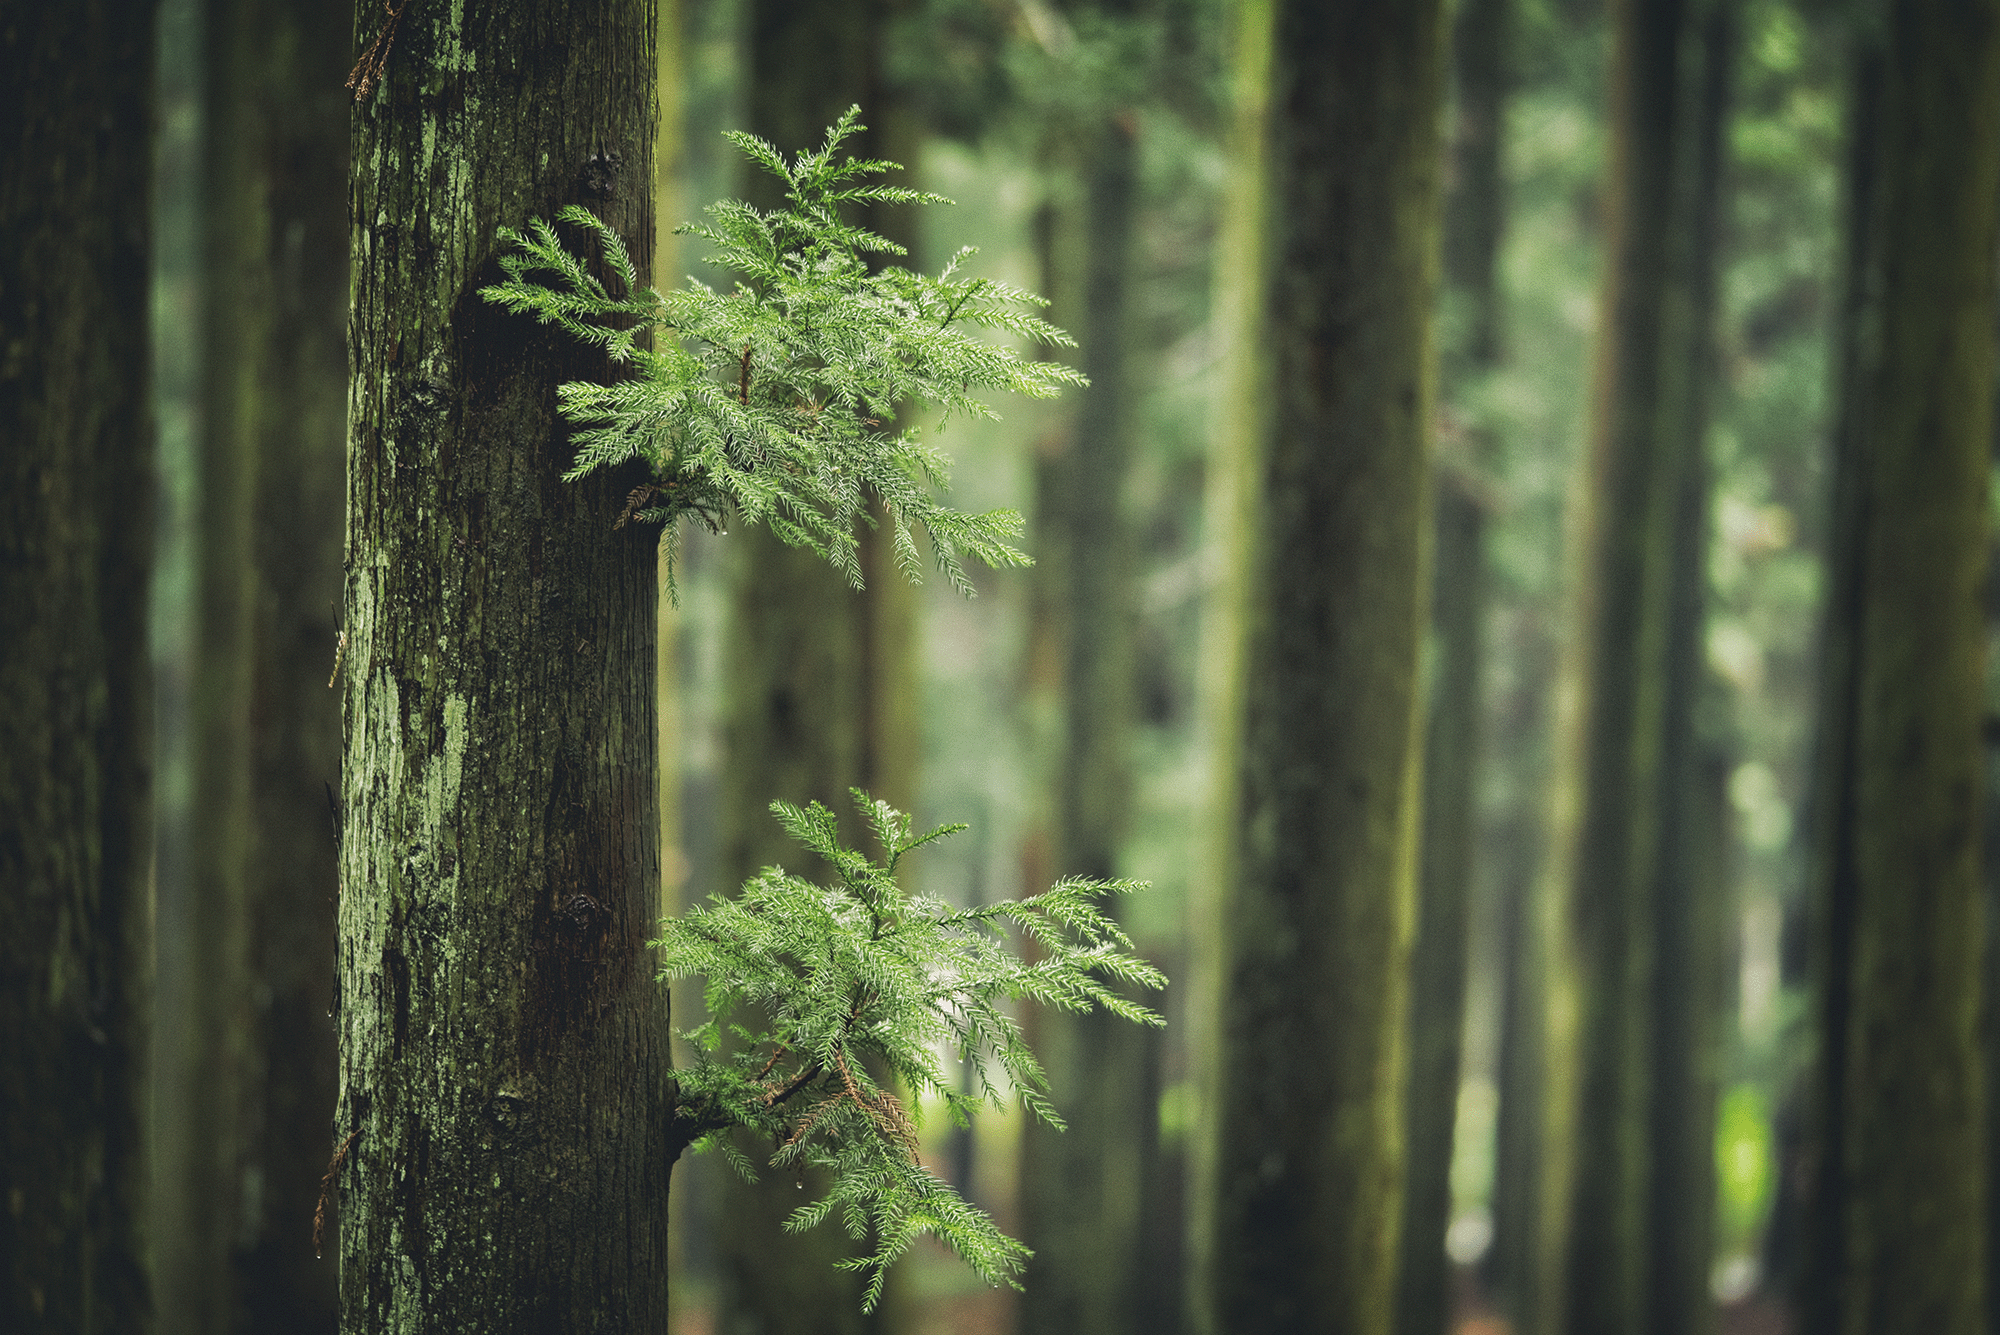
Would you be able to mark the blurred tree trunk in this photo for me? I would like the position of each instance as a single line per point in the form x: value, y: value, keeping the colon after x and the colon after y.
x: 1689, y: 893
x: 1081, y: 1189
x: 504, y: 1083
x: 1613, y: 762
x: 822, y: 692
x: 1322, y: 496
x: 1473, y: 219
x: 245, y: 1079
x: 76, y: 498
x: 1899, y: 1208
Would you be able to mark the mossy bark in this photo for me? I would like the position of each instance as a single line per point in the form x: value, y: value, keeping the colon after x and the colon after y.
x: 822, y: 691
x: 1324, y: 475
x: 76, y: 496
x: 1899, y: 1182
x: 503, y: 1116
x: 1082, y: 1188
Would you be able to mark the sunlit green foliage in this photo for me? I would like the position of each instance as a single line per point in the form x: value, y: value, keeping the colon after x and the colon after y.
x: 778, y: 400
x: 859, y: 980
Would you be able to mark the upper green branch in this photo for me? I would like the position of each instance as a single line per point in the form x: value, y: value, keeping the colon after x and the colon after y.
x: 779, y: 399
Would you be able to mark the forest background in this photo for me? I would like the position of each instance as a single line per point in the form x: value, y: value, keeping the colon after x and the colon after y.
x: 1678, y: 1018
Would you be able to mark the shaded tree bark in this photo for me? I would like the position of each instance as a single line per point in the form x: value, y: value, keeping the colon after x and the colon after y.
x: 1473, y: 219
x: 76, y: 493
x: 822, y: 693
x: 1081, y: 1188
x: 504, y: 1086
x: 245, y: 1046
x: 1322, y: 475
x: 1898, y: 1208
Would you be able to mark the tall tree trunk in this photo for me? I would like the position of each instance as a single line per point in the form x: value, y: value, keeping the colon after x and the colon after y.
x: 1900, y: 1180
x: 1474, y: 216
x: 1616, y: 675
x: 1081, y: 1188
x: 1688, y: 893
x: 76, y: 495
x: 1323, y: 475
x: 822, y: 693
x: 504, y: 1084
x: 245, y: 1049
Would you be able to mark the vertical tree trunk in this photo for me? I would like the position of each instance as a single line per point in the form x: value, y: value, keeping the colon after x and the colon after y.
x: 76, y: 496
x: 1474, y: 217
x: 1616, y: 672
x: 1900, y: 1179
x: 1081, y: 1188
x: 1324, y: 474
x: 1688, y: 894
x: 247, y: 864
x: 823, y: 692
x: 504, y: 1086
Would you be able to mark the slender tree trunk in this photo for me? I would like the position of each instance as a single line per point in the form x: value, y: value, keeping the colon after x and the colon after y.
x: 1323, y: 475
x: 1617, y: 673
x: 1081, y: 1188
x: 822, y: 693
x: 76, y: 496
x: 1900, y: 1171
x: 1474, y: 216
x: 504, y: 1087
x: 1688, y: 892
x: 245, y: 1048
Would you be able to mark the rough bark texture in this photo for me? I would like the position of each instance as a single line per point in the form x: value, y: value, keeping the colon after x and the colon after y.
x: 822, y: 693
x: 1081, y: 1189
x: 1619, y: 628
x: 1899, y: 1172
x: 504, y: 1088
x: 1322, y: 517
x: 76, y: 497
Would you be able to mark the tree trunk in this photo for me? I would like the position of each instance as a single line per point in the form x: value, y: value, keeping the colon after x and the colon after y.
x: 247, y: 861
x: 1688, y: 890
x: 1900, y: 1179
x: 1323, y: 493
x: 1081, y: 1188
x: 1473, y: 220
x: 76, y: 497
x: 504, y: 1086
x: 822, y: 692
x: 1617, y: 675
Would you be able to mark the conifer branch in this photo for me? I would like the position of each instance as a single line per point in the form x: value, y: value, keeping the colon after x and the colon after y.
x: 780, y: 399
x: 871, y: 988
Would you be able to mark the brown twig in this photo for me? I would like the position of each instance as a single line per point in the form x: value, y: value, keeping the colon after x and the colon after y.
x: 326, y: 1189
x: 743, y: 378
x: 637, y: 497
x: 368, y: 70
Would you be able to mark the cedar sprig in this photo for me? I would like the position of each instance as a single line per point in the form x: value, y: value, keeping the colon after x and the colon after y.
x: 782, y: 400
x: 859, y: 990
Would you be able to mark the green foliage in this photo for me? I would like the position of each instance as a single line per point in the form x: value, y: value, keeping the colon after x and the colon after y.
x: 777, y: 400
x: 859, y: 985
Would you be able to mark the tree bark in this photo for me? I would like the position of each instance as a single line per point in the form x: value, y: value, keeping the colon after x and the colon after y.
x: 1473, y: 221
x: 1081, y: 1188
x: 76, y: 497
x: 1323, y: 475
x: 1899, y: 1182
x: 822, y: 693
x: 503, y: 1118
x: 1617, y: 673
x: 244, y: 1044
